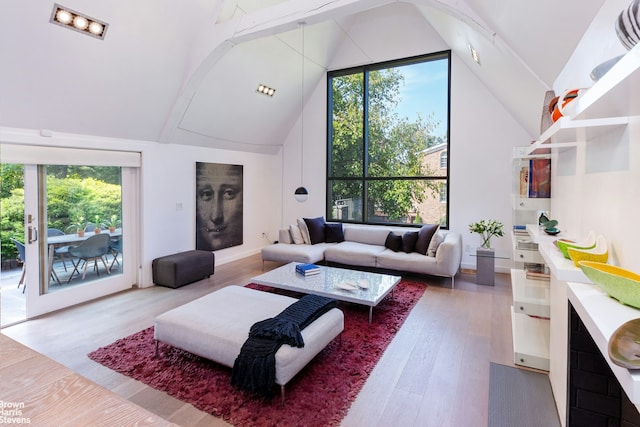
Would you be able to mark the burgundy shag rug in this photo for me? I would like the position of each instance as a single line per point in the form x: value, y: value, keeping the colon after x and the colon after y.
x: 319, y: 395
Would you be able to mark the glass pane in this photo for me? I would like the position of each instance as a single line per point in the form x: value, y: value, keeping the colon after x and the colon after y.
x: 407, y: 115
x: 346, y: 126
x: 13, y: 300
x: 84, y: 234
x: 406, y: 202
x: 345, y: 198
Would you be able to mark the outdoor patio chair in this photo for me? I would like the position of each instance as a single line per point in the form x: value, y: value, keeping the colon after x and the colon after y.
x: 115, y: 247
x: 22, y: 254
x: 93, y: 249
x: 61, y: 252
x: 23, y: 257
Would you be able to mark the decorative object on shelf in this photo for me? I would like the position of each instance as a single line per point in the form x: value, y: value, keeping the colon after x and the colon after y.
x: 487, y: 229
x: 602, y: 69
x: 628, y: 25
x: 600, y: 253
x: 543, y: 219
x: 588, y: 243
x: 621, y: 284
x: 549, y: 225
x: 540, y: 178
x: 559, y: 105
x: 545, y: 120
x: 624, y: 345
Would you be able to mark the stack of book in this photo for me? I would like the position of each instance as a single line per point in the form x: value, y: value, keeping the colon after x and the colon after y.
x: 537, y: 272
x: 307, y: 269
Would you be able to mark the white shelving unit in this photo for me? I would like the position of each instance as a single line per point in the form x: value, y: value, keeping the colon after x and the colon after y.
x: 530, y: 311
x: 608, y: 105
x: 530, y: 341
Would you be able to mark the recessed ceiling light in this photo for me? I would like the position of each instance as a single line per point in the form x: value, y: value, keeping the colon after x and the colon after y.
x: 265, y: 90
x: 474, y: 55
x: 96, y: 28
x: 79, y: 22
x: 64, y: 17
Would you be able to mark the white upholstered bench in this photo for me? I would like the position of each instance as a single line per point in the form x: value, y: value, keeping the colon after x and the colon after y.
x: 215, y: 327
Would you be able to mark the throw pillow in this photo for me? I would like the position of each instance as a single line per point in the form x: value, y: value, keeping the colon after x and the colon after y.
x: 316, y: 229
x: 296, y: 234
x: 393, y: 241
x: 409, y: 240
x: 304, y: 231
x: 435, y: 243
x: 333, y: 232
x: 424, y: 237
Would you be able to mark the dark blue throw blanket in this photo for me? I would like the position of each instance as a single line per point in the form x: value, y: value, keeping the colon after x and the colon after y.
x: 255, y: 367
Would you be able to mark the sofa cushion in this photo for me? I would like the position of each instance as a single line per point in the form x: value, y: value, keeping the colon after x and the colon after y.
x: 316, y: 229
x: 333, y: 232
x: 282, y: 252
x: 409, y: 240
x: 435, y: 242
x: 393, y: 242
x: 304, y: 230
x: 411, y: 263
x: 353, y: 253
x: 371, y: 235
x: 296, y: 234
x: 425, y: 234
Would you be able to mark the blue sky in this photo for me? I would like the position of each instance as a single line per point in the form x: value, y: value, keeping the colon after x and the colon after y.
x: 425, y: 90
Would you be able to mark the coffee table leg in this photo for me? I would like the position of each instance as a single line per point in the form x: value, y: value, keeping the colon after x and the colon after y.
x: 370, y: 313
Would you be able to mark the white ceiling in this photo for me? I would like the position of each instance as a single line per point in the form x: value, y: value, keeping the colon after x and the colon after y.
x: 187, y: 72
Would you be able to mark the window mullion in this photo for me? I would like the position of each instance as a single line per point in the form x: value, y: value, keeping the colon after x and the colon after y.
x: 365, y: 144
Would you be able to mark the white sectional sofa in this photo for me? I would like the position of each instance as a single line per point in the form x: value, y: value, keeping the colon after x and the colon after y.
x: 364, y: 246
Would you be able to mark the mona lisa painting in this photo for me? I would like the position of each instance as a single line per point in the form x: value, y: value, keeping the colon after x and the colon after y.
x: 219, y: 206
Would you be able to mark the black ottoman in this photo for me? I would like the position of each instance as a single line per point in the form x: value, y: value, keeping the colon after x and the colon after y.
x: 182, y: 268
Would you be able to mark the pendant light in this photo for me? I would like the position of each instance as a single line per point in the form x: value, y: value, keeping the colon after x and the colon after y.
x: 302, y: 194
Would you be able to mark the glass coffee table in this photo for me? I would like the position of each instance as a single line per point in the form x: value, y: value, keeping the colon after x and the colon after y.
x: 359, y: 287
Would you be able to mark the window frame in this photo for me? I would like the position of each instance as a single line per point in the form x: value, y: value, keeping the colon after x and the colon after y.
x: 364, y: 179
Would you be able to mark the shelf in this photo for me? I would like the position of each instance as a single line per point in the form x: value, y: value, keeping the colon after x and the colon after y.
x: 602, y: 316
x: 562, y: 134
x: 610, y: 96
x: 606, y: 104
x: 561, y: 268
x: 530, y: 341
x: 531, y: 203
x: 530, y: 297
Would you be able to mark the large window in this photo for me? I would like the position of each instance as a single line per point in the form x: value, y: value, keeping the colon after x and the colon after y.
x: 388, y: 142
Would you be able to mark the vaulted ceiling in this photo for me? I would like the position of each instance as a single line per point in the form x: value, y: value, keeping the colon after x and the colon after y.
x: 187, y: 71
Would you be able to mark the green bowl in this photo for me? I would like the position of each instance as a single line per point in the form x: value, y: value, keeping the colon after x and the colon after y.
x: 617, y: 282
x: 599, y: 253
x: 563, y: 245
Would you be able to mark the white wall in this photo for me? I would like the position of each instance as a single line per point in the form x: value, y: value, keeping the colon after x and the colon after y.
x: 168, y: 180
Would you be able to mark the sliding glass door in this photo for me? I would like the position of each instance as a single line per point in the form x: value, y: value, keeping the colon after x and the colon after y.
x: 77, y: 234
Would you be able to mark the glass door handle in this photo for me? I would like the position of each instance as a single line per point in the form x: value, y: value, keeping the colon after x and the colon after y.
x: 32, y: 234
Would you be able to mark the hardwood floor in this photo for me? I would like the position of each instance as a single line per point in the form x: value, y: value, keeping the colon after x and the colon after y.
x: 434, y: 373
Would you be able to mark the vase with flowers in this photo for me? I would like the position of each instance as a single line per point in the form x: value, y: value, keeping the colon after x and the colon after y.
x: 485, y: 256
x: 487, y: 228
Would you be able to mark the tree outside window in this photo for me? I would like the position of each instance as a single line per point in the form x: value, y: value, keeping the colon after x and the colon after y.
x: 388, y: 128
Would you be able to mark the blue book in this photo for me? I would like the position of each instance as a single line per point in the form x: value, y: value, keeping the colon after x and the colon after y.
x: 307, y: 269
